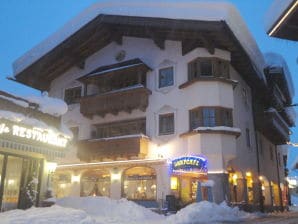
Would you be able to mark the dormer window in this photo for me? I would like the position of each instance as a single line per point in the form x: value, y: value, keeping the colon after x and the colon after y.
x: 208, y: 67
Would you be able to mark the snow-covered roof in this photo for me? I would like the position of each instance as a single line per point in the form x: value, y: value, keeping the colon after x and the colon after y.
x: 184, y: 10
x: 52, y: 106
x: 49, y: 105
x: 275, y: 11
x: 274, y: 60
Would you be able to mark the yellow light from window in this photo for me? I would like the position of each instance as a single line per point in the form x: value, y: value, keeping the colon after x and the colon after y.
x: 248, y: 174
x: 260, y: 178
x: 174, y: 183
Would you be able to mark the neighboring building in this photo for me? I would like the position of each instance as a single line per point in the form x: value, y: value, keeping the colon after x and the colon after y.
x: 30, y: 137
x: 282, y: 21
x: 163, y: 96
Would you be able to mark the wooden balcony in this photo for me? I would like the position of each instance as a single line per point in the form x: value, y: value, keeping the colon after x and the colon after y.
x: 126, y: 99
x: 275, y: 128
x: 113, y: 148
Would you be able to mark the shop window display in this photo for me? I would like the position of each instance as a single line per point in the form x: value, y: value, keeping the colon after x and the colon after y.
x: 62, y: 185
x: 96, y: 183
x: 139, y: 183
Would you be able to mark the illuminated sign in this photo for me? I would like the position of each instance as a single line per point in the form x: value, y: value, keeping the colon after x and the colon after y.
x: 36, y: 134
x: 189, y: 164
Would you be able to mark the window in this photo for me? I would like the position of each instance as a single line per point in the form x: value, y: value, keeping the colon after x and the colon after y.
x: 166, y: 77
x: 95, y: 183
x: 210, y: 117
x: 114, y: 129
x: 139, y: 183
x: 208, y: 67
x: 72, y: 95
x: 247, y: 138
x: 166, y: 124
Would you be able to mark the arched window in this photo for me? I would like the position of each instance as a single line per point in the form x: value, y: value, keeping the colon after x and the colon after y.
x: 95, y: 183
x: 139, y: 183
x: 62, y: 184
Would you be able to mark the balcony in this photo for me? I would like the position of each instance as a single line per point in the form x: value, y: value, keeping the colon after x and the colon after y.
x: 125, y: 99
x: 275, y: 128
x: 113, y: 148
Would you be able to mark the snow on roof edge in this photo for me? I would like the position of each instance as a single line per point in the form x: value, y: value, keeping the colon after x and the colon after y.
x: 274, y: 59
x: 274, y: 12
x: 206, y: 11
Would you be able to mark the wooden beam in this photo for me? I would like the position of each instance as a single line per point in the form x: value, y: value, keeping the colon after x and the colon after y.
x: 159, y: 42
x: 208, y: 44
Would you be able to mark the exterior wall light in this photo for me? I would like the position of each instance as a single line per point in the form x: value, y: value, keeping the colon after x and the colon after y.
x: 51, y: 167
x: 75, y: 179
x: 115, y: 176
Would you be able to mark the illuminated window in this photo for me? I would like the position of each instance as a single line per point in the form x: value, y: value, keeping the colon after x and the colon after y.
x: 96, y: 183
x: 174, y: 183
x: 139, y: 183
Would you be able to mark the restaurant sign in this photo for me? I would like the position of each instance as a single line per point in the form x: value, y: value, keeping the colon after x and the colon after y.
x: 46, y: 136
x: 190, y: 164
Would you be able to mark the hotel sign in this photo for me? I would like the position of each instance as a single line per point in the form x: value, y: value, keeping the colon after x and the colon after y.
x: 46, y: 136
x: 189, y: 164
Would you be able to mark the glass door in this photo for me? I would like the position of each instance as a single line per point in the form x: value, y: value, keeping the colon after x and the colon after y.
x: 11, y: 183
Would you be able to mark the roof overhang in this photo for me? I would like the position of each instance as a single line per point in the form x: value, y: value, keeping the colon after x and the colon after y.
x: 105, y: 29
x: 286, y: 26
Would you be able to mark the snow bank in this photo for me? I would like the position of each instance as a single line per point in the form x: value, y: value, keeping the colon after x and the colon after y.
x: 49, y: 105
x: 206, y: 212
x: 50, y: 215
x: 172, y: 9
x: 106, y: 210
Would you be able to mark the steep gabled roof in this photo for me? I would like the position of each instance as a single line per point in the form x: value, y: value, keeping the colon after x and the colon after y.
x: 196, y: 24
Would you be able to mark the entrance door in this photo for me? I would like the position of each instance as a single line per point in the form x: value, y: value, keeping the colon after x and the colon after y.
x: 11, y: 183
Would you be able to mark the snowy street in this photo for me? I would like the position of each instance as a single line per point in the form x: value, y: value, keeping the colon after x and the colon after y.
x: 281, y: 218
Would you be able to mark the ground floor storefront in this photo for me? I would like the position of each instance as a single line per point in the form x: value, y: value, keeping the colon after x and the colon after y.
x: 24, y: 166
x: 153, y: 183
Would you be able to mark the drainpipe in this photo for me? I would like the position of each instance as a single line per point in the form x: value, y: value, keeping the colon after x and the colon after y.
x: 278, y: 179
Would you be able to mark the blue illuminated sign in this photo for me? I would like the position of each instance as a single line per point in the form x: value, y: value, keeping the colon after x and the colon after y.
x: 190, y: 164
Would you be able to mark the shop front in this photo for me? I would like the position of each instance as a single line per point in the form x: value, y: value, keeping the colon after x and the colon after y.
x: 24, y: 152
x: 143, y: 181
x: 187, y: 175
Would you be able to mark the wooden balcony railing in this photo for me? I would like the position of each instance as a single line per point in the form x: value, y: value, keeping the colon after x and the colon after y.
x: 275, y: 128
x: 126, y: 99
x: 113, y: 148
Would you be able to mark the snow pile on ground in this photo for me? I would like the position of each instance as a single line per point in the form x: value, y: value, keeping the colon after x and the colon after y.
x: 206, y: 212
x: 105, y: 210
x: 50, y: 215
